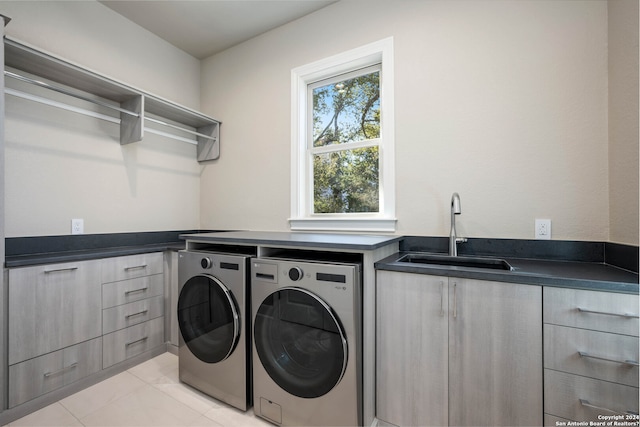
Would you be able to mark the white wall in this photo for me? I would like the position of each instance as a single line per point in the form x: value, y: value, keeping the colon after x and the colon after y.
x: 623, y: 120
x: 60, y: 165
x: 504, y: 102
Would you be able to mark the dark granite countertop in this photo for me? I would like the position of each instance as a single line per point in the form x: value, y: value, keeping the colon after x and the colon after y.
x: 567, y: 274
x: 25, y: 251
x: 295, y: 240
x: 83, y: 255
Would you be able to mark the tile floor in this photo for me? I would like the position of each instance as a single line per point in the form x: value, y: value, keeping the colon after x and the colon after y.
x: 148, y: 394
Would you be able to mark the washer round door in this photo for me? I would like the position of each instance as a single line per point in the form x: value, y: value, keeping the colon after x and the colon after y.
x: 208, y: 318
x: 300, y: 342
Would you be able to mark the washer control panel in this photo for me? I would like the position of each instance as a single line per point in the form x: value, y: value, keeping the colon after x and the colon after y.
x: 295, y: 274
x: 206, y: 263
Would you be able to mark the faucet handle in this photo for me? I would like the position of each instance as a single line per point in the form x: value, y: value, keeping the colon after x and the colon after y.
x: 461, y: 240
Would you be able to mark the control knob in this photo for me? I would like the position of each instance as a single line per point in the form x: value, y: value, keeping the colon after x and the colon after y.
x: 206, y: 262
x: 295, y: 274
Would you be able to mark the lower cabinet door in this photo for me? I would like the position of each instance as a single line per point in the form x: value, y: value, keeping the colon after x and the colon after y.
x: 51, y: 371
x: 134, y: 340
x: 586, y: 399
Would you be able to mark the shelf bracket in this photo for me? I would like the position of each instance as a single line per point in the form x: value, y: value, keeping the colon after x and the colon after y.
x: 209, y: 148
x: 132, y: 126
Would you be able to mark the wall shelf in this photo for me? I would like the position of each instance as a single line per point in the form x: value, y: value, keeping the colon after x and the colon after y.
x: 206, y: 130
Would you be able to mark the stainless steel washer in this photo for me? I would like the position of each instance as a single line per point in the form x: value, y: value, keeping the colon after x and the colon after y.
x: 307, y: 342
x: 213, y: 309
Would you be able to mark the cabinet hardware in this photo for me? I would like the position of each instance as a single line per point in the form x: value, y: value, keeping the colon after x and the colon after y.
x: 623, y: 362
x: 136, y: 341
x: 136, y: 290
x: 136, y: 314
x: 607, y: 313
x: 135, y: 267
x: 585, y: 402
x: 441, y: 298
x: 455, y: 301
x: 60, y: 269
x: 50, y: 374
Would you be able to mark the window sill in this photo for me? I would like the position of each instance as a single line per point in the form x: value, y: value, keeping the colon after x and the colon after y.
x: 380, y: 225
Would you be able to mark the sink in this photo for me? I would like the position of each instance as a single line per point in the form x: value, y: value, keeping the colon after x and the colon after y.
x: 457, y: 261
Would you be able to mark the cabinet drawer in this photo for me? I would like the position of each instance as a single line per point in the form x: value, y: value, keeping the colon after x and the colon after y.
x: 126, y: 291
x: 43, y: 374
x: 600, y: 311
x: 52, y: 307
x: 129, y: 267
x: 134, y: 340
x: 579, y: 398
x: 123, y: 316
x: 563, y: 347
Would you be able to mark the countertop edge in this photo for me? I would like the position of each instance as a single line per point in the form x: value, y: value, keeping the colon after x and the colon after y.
x: 71, y: 256
x: 511, y: 277
x: 221, y: 238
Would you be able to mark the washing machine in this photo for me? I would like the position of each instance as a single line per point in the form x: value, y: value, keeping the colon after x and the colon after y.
x: 307, y: 342
x: 214, y: 349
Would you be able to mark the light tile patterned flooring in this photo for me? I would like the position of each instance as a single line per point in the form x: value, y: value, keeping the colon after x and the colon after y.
x: 148, y: 394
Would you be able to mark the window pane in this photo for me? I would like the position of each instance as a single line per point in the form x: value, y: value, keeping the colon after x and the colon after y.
x: 346, y: 181
x: 347, y: 111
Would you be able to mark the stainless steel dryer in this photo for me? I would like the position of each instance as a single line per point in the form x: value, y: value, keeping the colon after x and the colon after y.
x: 213, y: 309
x: 307, y: 342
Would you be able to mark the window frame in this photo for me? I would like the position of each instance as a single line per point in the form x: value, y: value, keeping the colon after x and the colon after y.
x: 302, y: 216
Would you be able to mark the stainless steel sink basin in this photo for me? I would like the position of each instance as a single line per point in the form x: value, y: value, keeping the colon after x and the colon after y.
x: 457, y: 261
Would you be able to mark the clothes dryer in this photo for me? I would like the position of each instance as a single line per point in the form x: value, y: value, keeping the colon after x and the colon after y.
x: 213, y: 309
x: 307, y: 342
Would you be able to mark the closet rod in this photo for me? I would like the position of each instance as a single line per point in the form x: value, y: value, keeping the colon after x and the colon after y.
x: 89, y: 113
x: 104, y: 104
x: 67, y: 92
x: 160, y: 122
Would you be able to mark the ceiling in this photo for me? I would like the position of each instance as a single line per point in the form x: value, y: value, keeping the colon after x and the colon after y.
x: 205, y: 27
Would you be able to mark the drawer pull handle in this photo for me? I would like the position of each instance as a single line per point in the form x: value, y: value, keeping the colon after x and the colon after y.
x: 55, y: 270
x: 136, y: 314
x: 136, y: 341
x: 50, y: 374
x: 624, y: 362
x: 606, y: 313
x: 136, y: 290
x: 585, y: 402
x: 135, y: 267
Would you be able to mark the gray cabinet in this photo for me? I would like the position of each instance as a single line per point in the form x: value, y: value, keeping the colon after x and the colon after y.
x: 456, y: 351
x: 52, y: 307
x: 412, y: 355
x: 133, y: 306
x: 69, y: 321
x: 590, y: 354
x: 43, y: 374
x: 131, y: 341
x: 55, y: 327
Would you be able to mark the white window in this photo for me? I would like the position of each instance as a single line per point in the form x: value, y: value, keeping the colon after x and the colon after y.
x: 342, y: 142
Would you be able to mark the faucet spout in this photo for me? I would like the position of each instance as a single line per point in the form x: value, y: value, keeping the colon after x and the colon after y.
x: 453, y: 237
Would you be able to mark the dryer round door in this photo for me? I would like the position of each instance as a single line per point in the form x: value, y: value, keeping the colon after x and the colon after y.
x: 208, y: 318
x: 300, y: 342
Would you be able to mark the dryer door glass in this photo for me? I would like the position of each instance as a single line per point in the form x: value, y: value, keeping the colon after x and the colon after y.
x: 208, y: 318
x: 300, y: 342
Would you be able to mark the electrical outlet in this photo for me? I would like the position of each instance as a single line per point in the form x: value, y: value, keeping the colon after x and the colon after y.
x: 543, y: 229
x: 77, y: 226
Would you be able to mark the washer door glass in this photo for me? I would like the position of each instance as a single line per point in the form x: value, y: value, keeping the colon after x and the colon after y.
x: 208, y: 318
x: 300, y: 342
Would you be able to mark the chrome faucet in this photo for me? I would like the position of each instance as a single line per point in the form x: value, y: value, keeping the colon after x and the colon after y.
x: 453, y: 238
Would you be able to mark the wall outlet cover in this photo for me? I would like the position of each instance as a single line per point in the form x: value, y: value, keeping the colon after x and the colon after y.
x: 543, y: 229
x: 77, y: 226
